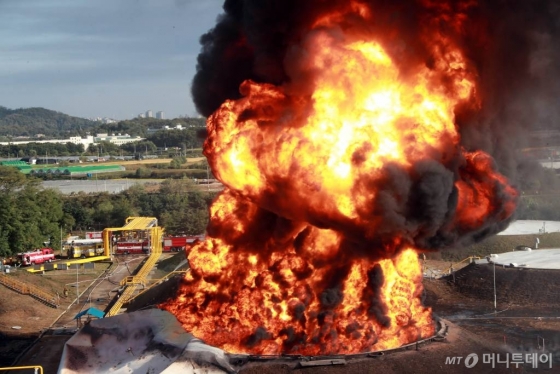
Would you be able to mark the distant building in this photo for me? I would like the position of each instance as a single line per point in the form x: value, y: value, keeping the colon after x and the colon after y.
x: 116, y: 139
x: 149, y: 114
x: 87, y: 141
x: 142, y: 115
x: 165, y: 128
x: 104, y: 120
x: 160, y: 115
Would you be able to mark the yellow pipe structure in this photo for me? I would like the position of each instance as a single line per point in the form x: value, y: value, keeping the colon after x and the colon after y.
x: 37, y: 368
x: 25, y: 288
x: 155, y: 239
x: 453, y: 267
x: 155, y: 282
x: 41, y: 268
x: 132, y: 224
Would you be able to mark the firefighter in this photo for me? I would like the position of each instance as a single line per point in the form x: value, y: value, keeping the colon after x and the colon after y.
x: 65, y: 291
x: 71, y: 251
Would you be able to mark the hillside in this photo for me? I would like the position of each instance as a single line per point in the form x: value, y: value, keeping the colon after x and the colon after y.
x: 32, y: 121
x: 52, y: 124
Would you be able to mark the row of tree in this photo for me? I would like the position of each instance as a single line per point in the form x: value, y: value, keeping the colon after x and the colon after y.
x: 30, y: 215
x: 41, y: 150
x: 140, y: 126
x: 182, y: 140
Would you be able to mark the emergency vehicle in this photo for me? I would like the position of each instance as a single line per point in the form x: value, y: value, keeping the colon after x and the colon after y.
x: 142, y: 246
x: 179, y: 243
x: 125, y: 247
x: 82, y: 248
x: 37, y: 256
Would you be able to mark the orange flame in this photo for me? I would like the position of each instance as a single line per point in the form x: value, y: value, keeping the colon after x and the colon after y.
x: 301, y: 255
x: 277, y: 293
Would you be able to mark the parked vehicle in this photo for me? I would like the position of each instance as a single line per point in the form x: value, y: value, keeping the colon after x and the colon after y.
x: 142, y: 246
x: 82, y: 248
x: 9, y: 261
x: 37, y: 256
x: 180, y: 243
x: 133, y: 246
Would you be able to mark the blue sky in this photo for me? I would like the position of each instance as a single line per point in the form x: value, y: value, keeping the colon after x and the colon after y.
x: 106, y: 58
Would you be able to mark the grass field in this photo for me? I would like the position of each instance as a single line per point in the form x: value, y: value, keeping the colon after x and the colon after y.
x: 151, y: 161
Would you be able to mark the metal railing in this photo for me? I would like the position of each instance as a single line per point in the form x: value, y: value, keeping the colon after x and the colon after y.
x: 155, y: 282
x: 24, y: 288
x: 37, y: 368
x: 453, y: 267
x: 155, y: 233
x: 132, y: 282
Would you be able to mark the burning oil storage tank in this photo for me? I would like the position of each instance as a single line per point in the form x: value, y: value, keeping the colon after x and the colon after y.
x: 350, y: 136
x: 342, y: 158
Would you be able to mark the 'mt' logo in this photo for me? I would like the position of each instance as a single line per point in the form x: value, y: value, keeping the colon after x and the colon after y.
x: 470, y: 361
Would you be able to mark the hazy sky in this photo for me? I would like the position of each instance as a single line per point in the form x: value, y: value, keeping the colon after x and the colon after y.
x: 106, y: 58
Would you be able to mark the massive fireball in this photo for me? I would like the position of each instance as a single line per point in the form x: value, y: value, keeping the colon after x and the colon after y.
x: 334, y: 179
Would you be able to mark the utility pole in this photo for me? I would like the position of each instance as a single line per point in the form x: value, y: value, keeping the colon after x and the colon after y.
x: 539, y: 338
x: 77, y: 285
x: 494, y: 287
x: 207, y: 177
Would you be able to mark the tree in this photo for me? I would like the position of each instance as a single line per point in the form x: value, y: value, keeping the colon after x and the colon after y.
x: 143, y: 172
x: 31, y: 121
x: 11, y: 179
x: 121, y: 210
x: 186, y: 209
x: 81, y: 215
x: 177, y: 162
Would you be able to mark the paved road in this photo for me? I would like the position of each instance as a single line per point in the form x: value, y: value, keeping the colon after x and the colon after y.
x: 68, y: 187
x: 92, y: 186
x: 535, y: 259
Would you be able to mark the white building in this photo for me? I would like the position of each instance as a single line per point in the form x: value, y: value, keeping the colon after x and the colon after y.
x: 160, y: 115
x: 104, y: 120
x: 165, y: 128
x: 142, y: 115
x: 149, y: 114
x: 115, y: 139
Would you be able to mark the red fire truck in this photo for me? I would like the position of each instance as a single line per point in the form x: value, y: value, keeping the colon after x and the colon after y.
x: 180, y: 243
x: 94, y: 235
x: 131, y: 246
x: 170, y: 244
x: 37, y: 256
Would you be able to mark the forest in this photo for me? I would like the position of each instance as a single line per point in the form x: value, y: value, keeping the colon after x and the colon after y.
x: 31, y: 215
x: 165, y: 140
x: 33, y: 121
x: 29, y: 122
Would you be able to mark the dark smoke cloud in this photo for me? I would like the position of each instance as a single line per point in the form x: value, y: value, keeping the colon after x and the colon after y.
x: 511, y: 47
x: 259, y: 335
x: 515, y: 46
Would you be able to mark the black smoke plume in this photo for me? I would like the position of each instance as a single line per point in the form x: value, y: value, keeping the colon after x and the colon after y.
x: 514, y: 45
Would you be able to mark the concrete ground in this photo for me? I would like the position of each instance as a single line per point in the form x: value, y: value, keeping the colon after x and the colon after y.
x: 47, y: 349
x: 527, y: 227
x: 529, y: 259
